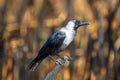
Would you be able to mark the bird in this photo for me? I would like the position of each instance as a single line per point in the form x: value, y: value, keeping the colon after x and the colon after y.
x: 57, y: 42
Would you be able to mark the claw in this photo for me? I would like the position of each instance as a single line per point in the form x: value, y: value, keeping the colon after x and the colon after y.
x: 59, y: 61
x: 62, y: 60
x: 66, y: 58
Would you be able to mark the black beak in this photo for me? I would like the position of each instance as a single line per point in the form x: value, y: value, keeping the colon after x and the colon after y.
x: 82, y: 23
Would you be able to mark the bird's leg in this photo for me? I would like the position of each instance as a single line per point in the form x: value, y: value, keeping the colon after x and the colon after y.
x: 63, y: 59
x: 51, y: 58
x: 58, y: 55
x: 58, y: 61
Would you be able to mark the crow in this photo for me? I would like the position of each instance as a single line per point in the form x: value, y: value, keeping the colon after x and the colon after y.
x: 57, y: 42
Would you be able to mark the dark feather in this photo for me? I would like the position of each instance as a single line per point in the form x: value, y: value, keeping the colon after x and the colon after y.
x: 50, y: 47
x: 52, y: 44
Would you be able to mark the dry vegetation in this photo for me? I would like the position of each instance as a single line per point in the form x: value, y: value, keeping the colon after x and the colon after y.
x: 26, y: 24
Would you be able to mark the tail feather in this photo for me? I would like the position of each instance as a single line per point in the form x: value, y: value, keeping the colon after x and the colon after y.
x: 34, y: 64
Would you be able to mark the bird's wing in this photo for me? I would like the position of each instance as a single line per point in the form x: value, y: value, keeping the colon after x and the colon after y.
x: 52, y: 44
x: 56, y: 40
x: 50, y: 47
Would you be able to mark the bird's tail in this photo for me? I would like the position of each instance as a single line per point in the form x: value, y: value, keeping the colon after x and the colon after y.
x: 34, y: 64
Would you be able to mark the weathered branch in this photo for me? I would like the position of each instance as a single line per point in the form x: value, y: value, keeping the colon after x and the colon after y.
x: 60, y: 63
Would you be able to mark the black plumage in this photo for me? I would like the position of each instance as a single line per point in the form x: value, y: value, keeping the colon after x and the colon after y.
x: 51, y: 47
x: 57, y: 42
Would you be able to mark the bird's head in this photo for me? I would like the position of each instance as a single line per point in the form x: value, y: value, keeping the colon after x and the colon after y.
x: 75, y: 24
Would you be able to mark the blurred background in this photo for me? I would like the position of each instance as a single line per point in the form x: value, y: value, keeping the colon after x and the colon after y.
x: 26, y: 24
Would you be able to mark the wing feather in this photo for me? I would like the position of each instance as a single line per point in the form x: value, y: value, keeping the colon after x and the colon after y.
x: 52, y: 44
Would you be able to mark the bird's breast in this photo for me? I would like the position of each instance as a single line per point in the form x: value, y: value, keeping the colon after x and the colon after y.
x: 69, y: 38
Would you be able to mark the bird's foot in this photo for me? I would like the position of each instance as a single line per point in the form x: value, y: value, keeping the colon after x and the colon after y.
x: 59, y: 62
x: 67, y: 58
x: 62, y: 60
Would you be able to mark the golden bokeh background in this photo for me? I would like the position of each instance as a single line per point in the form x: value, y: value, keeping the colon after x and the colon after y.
x: 26, y: 24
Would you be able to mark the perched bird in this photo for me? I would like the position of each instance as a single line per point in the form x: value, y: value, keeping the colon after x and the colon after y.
x: 57, y: 42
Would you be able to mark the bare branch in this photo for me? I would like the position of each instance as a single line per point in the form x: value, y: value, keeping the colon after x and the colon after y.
x: 60, y: 63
